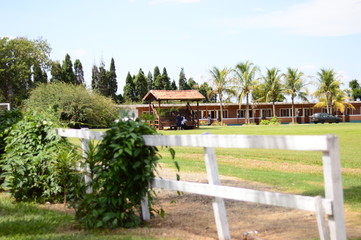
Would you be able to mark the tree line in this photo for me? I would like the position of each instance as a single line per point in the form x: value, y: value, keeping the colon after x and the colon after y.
x: 24, y: 63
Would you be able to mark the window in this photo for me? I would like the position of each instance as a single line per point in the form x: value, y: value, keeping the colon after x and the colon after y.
x: 225, y: 114
x: 266, y: 113
x: 242, y: 113
x: 308, y: 112
x: 285, y: 112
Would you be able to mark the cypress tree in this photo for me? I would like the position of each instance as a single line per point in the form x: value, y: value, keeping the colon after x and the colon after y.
x: 183, y: 81
x: 103, y: 81
x: 112, y: 80
x: 165, y: 80
x: 141, y: 86
x: 150, y: 81
x: 79, y: 73
x: 40, y: 76
x: 173, y: 86
x: 95, y: 77
x: 157, y: 84
x: 56, y: 72
x: 129, y: 89
x: 67, y: 70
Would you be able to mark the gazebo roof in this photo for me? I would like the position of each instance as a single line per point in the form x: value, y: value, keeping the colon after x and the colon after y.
x: 182, y: 95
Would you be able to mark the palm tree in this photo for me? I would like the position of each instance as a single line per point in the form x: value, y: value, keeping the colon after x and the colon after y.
x: 273, y: 87
x: 339, y: 102
x: 246, y: 80
x: 294, y: 86
x: 328, y: 87
x: 221, y: 82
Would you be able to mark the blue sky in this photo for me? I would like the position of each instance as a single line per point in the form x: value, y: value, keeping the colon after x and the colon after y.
x: 194, y: 34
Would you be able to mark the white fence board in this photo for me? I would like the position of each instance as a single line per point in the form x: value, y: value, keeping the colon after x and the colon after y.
x: 306, y: 143
x: 243, y: 194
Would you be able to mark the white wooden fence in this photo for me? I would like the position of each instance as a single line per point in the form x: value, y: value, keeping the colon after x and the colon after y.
x: 330, y: 228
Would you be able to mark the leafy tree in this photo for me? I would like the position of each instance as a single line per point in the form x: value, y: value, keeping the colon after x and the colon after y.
x: 183, y: 85
x: 141, y: 85
x: 355, y: 89
x: 129, y: 89
x: 208, y: 92
x: 173, y: 86
x: 40, y: 76
x: 112, y: 80
x: 221, y: 82
x: 68, y: 75
x: 328, y: 87
x: 339, y: 102
x: 79, y: 73
x: 273, y: 87
x: 192, y: 84
x: 295, y: 86
x: 56, y: 72
x: 246, y: 80
x: 17, y: 59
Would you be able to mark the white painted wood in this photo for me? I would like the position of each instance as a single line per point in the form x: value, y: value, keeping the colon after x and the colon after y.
x: 77, y: 133
x: 219, y: 208
x: 243, y: 194
x: 306, y: 143
x: 320, y: 217
x: 145, y: 209
x: 84, y: 133
x: 333, y: 188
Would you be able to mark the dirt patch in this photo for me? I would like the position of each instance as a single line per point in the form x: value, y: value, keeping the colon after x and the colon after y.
x: 190, y: 216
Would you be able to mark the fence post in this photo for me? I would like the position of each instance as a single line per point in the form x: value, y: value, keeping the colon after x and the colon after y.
x: 219, y: 208
x: 333, y: 188
x: 85, y: 147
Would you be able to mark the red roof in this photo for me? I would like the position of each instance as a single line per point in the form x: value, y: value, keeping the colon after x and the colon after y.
x: 183, y: 95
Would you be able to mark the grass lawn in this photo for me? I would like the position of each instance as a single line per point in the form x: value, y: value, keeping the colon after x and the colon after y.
x: 291, y: 171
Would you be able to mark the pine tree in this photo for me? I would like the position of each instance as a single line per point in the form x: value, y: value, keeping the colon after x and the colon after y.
x: 67, y: 70
x: 112, y: 80
x: 95, y: 77
x: 79, y: 73
x: 129, y: 89
x: 157, y: 84
x: 150, y: 81
x: 165, y: 80
x: 183, y: 85
x: 40, y: 76
x: 141, y: 86
x: 56, y: 72
x: 103, y: 81
x: 173, y: 86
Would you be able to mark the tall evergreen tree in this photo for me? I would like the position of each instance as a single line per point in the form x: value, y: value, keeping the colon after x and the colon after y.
x: 173, y: 86
x: 112, y: 80
x: 95, y: 77
x: 183, y: 85
x: 103, y: 81
x: 79, y: 73
x: 56, y: 72
x: 165, y: 80
x: 157, y: 84
x: 67, y: 70
x: 129, y: 89
x: 150, y: 81
x: 40, y: 76
x: 141, y: 85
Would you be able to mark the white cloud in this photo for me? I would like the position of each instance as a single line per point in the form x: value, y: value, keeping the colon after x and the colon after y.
x: 313, y: 18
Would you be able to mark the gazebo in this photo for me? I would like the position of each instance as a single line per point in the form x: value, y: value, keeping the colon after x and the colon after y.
x: 166, y: 117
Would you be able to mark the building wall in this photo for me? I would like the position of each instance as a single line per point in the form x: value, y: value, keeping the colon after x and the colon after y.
x: 235, y: 114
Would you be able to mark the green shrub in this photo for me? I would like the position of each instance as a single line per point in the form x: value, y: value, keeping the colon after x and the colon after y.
x: 264, y: 122
x: 37, y: 162
x: 275, y: 121
x: 218, y: 123
x: 121, y: 177
x: 7, y: 119
x: 73, y: 104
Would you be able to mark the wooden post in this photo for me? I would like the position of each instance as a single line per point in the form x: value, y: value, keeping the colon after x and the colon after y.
x: 85, y: 168
x: 219, y: 208
x: 333, y: 188
x: 320, y: 217
x: 145, y: 209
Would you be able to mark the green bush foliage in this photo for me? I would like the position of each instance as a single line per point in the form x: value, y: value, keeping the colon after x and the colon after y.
x: 264, y: 122
x: 124, y: 168
x: 37, y: 162
x: 74, y: 105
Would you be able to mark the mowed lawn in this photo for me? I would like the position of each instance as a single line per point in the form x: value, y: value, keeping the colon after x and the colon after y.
x: 290, y: 171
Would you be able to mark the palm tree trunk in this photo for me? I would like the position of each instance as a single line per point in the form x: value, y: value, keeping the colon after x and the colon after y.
x: 293, y: 110
x: 274, y: 109
x: 247, y: 110
x: 220, y: 100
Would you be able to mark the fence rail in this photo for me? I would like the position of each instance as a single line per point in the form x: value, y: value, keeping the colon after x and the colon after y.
x: 331, y: 206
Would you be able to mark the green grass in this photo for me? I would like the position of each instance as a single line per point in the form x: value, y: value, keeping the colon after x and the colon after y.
x: 26, y: 221
x: 301, y: 182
